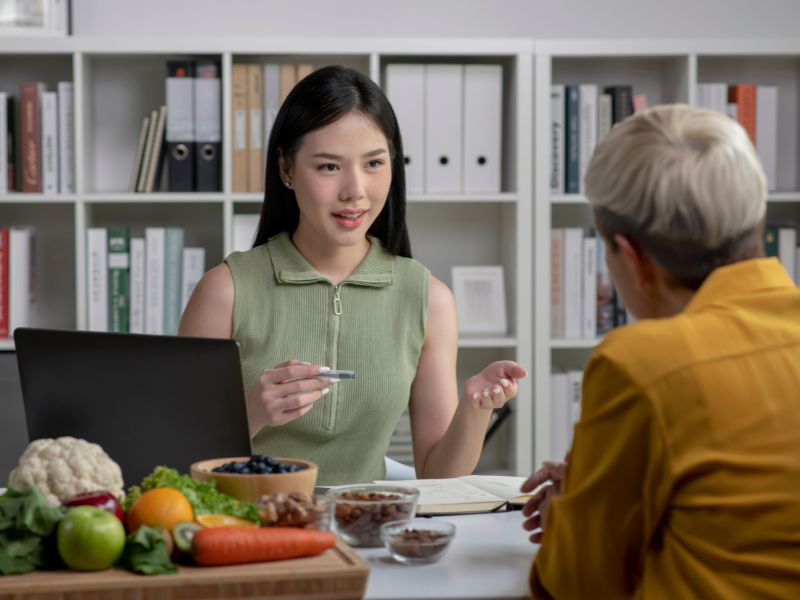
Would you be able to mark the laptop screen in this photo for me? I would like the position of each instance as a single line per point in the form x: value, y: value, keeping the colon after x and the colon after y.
x: 147, y: 400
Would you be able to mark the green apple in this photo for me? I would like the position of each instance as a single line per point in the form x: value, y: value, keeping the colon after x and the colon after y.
x: 90, y: 538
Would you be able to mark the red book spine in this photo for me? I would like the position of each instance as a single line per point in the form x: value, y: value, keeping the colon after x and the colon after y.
x: 3, y: 282
x: 744, y: 95
x: 30, y: 136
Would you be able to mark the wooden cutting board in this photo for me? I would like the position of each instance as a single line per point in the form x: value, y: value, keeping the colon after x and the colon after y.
x: 336, y: 574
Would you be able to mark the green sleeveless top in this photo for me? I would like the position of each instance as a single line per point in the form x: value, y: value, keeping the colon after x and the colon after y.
x: 372, y: 323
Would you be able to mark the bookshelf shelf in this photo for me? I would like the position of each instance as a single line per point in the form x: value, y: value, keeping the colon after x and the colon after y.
x: 666, y: 70
x: 487, y: 342
x: 118, y: 82
x: 573, y: 344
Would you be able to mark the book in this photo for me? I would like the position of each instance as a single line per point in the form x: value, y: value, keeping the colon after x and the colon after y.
x: 767, y: 131
x: 138, y: 157
x: 743, y: 95
x: 571, y: 140
x: 239, y: 156
x: 194, y: 266
x: 787, y: 247
x: 118, y: 282
x: 30, y: 135
x: 21, y: 277
x: 587, y: 127
x: 559, y: 415
x: 272, y: 98
x: 288, y: 77
x: 557, y: 139
x: 621, y: 101
x: 173, y: 279
x: 155, y: 244
x: 4, y: 145
x: 97, y: 278
x: 589, y: 289
x: 4, y: 282
x: 467, y: 494
x: 49, y: 131
x: 137, y: 278
x: 255, y: 129
x: 153, y: 173
x: 141, y: 182
x: 10, y: 137
x: 603, y: 115
x: 556, y: 283
x: 571, y: 282
x: 245, y: 227
x: 207, y: 126
x: 66, y: 137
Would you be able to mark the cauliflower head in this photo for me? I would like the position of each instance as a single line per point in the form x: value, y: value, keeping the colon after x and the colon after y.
x: 66, y: 466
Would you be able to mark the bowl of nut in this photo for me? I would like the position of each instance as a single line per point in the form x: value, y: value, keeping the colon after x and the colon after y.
x: 248, y: 478
x: 417, y: 541
x: 295, y: 509
x: 360, y: 510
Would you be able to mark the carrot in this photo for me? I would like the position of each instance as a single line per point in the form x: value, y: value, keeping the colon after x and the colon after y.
x: 233, y: 545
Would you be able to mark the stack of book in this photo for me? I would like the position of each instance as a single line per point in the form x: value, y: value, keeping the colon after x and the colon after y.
x: 140, y: 284
x: 755, y: 107
x: 17, y: 278
x: 257, y: 92
x: 580, y: 116
x: 46, y: 140
x: 583, y: 303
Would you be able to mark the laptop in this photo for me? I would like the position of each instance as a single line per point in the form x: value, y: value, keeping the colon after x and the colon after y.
x: 147, y: 400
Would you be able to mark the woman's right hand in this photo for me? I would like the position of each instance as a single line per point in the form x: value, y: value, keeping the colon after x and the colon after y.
x: 284, y: 393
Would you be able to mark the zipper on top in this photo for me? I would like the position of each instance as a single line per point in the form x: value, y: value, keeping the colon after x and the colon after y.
x: 337, y: 300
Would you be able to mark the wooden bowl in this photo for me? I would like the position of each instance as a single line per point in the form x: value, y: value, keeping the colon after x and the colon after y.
x: 249, y: 487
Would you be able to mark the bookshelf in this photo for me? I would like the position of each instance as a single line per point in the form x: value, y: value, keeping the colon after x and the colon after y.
x: 118, y: 81
x: 667, y: 71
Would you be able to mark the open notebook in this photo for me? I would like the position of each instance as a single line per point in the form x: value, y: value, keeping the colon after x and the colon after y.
x: 468, y: 494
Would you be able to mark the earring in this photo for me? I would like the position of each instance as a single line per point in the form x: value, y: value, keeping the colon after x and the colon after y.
x: 287, y: 184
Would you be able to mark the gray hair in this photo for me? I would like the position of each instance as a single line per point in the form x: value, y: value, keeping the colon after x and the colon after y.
x: 684, y: 182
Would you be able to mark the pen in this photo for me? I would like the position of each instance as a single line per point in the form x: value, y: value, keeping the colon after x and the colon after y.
x: 338, y: 375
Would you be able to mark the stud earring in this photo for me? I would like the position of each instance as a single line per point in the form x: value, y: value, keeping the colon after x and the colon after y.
x: 287, y: 184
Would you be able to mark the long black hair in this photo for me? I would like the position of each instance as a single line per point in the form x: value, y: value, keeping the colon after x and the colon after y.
x: 319, y: 99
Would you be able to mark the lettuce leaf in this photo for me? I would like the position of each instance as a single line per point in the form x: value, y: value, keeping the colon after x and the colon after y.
x: 202, y: 495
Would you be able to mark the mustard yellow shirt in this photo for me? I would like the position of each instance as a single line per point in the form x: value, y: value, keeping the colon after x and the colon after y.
x: 684, y: 476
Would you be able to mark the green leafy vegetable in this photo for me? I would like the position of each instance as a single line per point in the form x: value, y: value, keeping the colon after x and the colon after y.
x: 146, y: 553
x: 203, y: 495
x: 27, y: 531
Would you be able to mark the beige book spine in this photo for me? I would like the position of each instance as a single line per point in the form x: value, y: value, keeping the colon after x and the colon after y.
x: 255, y: 129
x: 288, y: 79
x: 239, y: 128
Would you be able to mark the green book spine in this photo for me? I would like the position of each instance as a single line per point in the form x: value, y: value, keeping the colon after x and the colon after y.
x: 118, y: 279
x: 173, y: 265
x: 771, y: 240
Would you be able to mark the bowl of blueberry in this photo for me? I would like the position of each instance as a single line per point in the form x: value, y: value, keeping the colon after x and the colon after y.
x: 248, y: 478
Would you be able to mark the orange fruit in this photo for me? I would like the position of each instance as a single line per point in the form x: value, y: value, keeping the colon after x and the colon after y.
x: 160, y: 506
x: 223, y: 521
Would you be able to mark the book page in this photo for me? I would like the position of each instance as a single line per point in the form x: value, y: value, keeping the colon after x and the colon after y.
x: 445, y: 491
x: 506, y: 487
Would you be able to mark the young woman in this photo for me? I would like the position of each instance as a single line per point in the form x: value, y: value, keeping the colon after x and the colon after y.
x: 330, y: 284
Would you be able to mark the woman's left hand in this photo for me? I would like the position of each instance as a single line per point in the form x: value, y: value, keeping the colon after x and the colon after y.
x: 495, y: 385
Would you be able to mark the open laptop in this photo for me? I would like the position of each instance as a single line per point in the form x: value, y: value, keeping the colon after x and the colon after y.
x: 148, y: 400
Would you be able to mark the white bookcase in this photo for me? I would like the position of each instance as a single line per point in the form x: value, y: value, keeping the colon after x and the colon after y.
x: 666, y: 71
x: 117, y: 81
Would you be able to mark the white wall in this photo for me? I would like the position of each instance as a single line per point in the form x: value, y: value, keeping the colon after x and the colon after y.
x: 446, y: 18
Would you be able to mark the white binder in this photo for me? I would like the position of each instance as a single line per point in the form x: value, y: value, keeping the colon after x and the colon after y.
x: 443, y: 128
x: 405, y: 88
x: 483, y: 106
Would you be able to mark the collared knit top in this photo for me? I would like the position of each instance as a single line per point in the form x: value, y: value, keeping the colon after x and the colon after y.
x: 373, y: 323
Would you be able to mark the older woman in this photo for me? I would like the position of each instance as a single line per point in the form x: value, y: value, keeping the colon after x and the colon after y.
x: 684, y: 477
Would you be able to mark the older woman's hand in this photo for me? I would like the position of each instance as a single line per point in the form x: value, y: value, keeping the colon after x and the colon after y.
x: 549, y: 477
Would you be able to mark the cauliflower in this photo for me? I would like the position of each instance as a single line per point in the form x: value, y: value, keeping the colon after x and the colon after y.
x: 66, y: 466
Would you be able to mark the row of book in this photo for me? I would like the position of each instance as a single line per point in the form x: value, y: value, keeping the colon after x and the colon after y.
x: 257, y: 92
x: 565, y: 410
x: 45, y: 162
x: 755, y: 107
x: 451, y: 117
x: 187, y: 130
x: 583, y: 303
x: 580, y: 115
x: 17, y: 278
x: 140, y: 284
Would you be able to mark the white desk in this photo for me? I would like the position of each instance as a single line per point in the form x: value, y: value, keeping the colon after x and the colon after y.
x: 490, y: 557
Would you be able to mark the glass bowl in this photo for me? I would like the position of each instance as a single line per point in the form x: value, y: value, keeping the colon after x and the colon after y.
x: 296, y: 509
x: 360, y: 510
x: 417, y: 541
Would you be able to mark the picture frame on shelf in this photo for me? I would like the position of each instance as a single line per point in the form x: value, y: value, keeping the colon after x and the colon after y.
x: 34, y: 18
x: 480, y: 299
